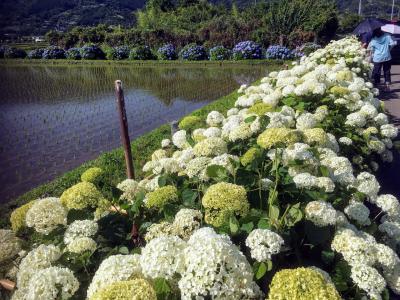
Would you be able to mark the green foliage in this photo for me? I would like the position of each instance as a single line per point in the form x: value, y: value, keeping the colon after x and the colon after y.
x: 191, y: 123
x: 141, y: 53
x: 93, y: 175
x: 17, y: 218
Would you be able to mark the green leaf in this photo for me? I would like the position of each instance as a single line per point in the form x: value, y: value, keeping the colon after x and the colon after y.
x: 250, y: 119
x: 248, y: 227
x: 324, y: 171
x: 328, y: 257
x: 263, y: 224
x: 188, y: 197
x: 294, y: 215
x: 341, y: 276
x: 123, y: 250
x: 233, y: 224
x: 274, y: 212
x: 262, y: 269
x: 215, y: 171
x: 161, y: 286
x: 385, y: 294
x: 269, y: 265
x: 162, y: 181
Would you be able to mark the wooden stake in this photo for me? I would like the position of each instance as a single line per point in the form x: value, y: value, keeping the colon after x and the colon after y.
x: 124, y: 129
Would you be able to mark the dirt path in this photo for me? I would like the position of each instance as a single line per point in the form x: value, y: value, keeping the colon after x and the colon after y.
x: 389, y: 175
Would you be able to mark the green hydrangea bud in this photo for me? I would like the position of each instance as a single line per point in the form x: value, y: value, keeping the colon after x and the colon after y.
x: 273, y: 137
x: 17, y: 218
x: 191, y: 123
x: 161, y: 196
x: 222, y: 200
x: 92, y: 175
x: 136, y: 289
x: 82, y: 195
x: 302, y: 284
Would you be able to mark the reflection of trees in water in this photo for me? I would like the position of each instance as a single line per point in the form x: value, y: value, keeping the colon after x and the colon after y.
x: 53, y: 83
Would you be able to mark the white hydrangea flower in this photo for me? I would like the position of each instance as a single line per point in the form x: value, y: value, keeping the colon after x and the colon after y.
x: 266, y: 183
x: 215, y: 268
x: 52, y: 283
x: 214, y: 119
x: 231, y: 112
x: 306, y: 121
x: 358, y: 212
x: 305, y: 180
x: 130, y: 188
x: 212, y: 132
x: 356, y: 120
x: 115, y: 268
x: 320, y: 213
x: 367, y: 184
x: 162, y: 257
x: 389, y: 131
x: 345, y: 141
x: 321, y: 113
x: 263, y: 243
x: 326, y: 184
x: 381, y: 119
x: 387, y: 156
x: 389, y: 204
x: 368, y: 279
x: 386, y: 257
x: 242, y: 88
x: 225, y: 160
x: 82, y: 244
x: 369, y: 111
x: 197, y: 168
x: 198, y: 134
x: 393, y: 278
x: 392, y: 229
x: 297, y: 151
x: 179, y: 139
x: 186, y: 222
x: 46, y: 215
x: 165, y: 143
x: 354, y: 247
x: 39, y: 258
x: 80, y: 228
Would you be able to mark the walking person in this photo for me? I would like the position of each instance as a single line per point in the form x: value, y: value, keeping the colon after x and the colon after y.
x: 380, y: 47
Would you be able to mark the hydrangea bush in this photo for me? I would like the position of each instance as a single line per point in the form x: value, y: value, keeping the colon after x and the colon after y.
x: 247, y: 50
x: 141, y: 53
x: 278, y: 52
x: 53, y: 52
x: 73, y: 54
x: 193, y: 52
x: 36, y: 53
x: 167, y: 52
x: 118, y: 53
x: 11, y: 52
x: 91, y: 52
x: 220, y: 53
x: 275, y: 199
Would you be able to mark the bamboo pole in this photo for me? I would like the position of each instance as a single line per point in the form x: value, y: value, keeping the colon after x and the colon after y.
x: 126, y: 143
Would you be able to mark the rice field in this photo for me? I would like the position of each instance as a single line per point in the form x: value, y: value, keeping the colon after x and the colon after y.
x: 53, y: 118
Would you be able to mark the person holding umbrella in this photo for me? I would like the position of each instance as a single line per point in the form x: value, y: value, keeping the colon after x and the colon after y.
x: 380, y: 47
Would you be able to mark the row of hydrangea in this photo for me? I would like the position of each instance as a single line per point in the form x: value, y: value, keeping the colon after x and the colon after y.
x: 274, y: 199
x: 242, y: 50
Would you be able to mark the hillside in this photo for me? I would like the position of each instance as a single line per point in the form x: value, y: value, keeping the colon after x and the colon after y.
x: 27, y: 17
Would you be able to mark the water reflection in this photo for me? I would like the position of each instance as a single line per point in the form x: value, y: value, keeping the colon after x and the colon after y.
x: 54, y: 118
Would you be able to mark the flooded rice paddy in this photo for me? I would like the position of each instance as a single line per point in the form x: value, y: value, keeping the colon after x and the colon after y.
x: 54, y: 118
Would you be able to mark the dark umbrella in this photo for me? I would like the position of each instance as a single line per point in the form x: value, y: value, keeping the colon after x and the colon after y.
x: 368, y: 26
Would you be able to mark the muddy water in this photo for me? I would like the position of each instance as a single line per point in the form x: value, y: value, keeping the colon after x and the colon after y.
x: 53, y: 118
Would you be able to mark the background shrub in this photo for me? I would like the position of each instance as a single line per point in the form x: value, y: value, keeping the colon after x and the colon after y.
x: 193, y: 52
x: 141, y: 53
x: 278, y: 52
x: 308, y: 48
x: 167, y: 52
x: 220, y: 53
x: 92, y: 51
x: 12, y: 52
x: 35, y: 54
x: 73, y: 53
x: 247, y: 50
x: 53, y: 52
x: 118, y: 53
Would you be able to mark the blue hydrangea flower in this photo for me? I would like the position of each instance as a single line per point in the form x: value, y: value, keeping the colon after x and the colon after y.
x: 220, y: 53
x: 193, y: 52
x: 167, y: 52
x: 278, y: 52
x: 247, y: 50
x: 53, y: 52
